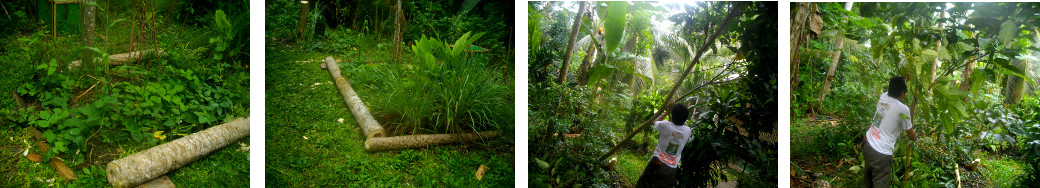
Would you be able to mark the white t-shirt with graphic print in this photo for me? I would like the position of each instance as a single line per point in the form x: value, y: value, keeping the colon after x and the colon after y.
x: 670, y: 143
x: 890, y: 118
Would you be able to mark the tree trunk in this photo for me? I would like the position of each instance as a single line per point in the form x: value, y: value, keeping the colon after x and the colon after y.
x: 368, y: 124
x: 356, y: 9
x: 586, y: 63
x: 570, y: 44
x: 152, y: 163
x: 802, y: 12
x: 302, y: 26
x: 938, y: 44
x: 88, y: 32
x: 966, y: 76
x: 397, y: 31
x: 738, y: 8
x: 835, y: 59
x: 414, y: 141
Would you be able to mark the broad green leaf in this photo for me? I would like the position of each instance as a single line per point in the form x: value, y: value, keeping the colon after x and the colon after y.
x: 53, y: 66
x: 599, y: 72
x: 964, y: 47
x: 1008, y: 31
x: 49, y: 135
x: 984, y: 42
x: 930, y: 54
x: 1010, y: 69
x: 614, y: 26
x: 459, y: 45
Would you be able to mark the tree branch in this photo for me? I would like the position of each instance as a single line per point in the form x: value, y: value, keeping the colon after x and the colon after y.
x: 737, y: 8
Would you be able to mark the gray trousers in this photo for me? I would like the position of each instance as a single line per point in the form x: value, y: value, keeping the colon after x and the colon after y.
x: 877, y: 167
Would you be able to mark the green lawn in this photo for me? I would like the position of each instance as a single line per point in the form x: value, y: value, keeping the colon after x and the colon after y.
x: 307, y: 145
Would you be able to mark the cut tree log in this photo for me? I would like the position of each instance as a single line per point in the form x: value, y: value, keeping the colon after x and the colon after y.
x: 155, y: 162
x: 119, y: 59
x: 414, y: 141
x: 161, y: 182
x: 365, y: 120
x: 57, y: 163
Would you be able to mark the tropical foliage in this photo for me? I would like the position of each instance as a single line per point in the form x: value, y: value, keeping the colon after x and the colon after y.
x: 628, y: 60
x: 971, y: 71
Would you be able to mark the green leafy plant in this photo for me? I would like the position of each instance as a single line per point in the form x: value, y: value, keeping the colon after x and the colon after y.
x: 445, y: 91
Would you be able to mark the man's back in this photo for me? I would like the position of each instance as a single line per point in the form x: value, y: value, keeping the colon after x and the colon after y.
x: 890, y: 117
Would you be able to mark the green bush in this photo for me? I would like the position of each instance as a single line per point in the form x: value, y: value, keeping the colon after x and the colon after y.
x: 446, y: 91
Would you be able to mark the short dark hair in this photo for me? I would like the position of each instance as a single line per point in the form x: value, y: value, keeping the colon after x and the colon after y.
x: 896, y: 86
x: 679, y: 114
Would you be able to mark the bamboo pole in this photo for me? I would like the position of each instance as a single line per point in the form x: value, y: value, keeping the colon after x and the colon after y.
x: 154, y: 162
x: 365, y: 120
x: 736, y: 10
x: 414, y: 141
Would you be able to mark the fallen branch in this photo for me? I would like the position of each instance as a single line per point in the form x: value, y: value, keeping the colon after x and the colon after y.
x: 414, y: 141
x: 154, y: 162
x: 365, y: 120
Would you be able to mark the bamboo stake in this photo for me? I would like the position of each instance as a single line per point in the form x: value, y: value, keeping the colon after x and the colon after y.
x: 736, y: 10
x: 365, y: 120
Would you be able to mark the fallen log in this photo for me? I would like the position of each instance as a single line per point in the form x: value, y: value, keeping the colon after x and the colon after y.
x: 414, y: 141
x: 154, y: 162
x: 365, y: 120
x: 161, y: 182
x: 119, y: 59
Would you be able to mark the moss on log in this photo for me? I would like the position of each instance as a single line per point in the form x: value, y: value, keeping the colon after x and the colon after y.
x: 154, y: 162
x: 414, y: 141
x: 365, y: 120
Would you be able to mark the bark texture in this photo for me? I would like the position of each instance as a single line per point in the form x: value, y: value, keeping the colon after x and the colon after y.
x: 161, y: 182
x: 414, y: 141
x: 301, y: 28
x: 155, y: 162
x: 397, y: 32
x: 88, y: 30
x: 365, y: 120
x: 570, y: 44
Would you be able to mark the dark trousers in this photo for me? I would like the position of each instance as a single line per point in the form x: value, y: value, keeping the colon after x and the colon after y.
x: 657, y: 174
x: 877, y: 167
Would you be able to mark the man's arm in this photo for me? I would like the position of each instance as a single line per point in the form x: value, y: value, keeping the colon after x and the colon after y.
x: 666, y: 112
x: 912, y: 134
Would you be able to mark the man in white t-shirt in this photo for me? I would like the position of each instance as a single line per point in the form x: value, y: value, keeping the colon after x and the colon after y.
x: 890, y: 118
x: 664, y: 164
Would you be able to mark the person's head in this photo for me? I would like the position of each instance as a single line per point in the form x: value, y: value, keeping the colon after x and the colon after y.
x: 679, y: 114
x: 897, y: 87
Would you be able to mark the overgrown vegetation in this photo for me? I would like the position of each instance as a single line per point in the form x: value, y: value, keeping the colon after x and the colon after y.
x: 627, y: 58
x: 92, y: 110
x: 453, y: 74
x: 971, y: 69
